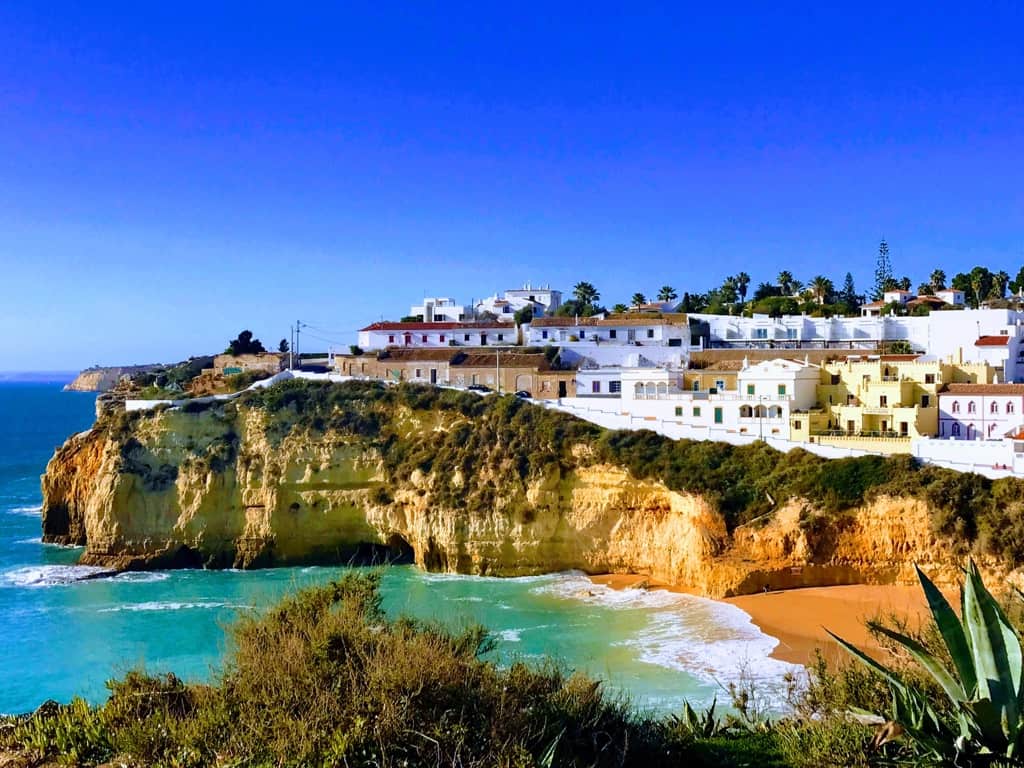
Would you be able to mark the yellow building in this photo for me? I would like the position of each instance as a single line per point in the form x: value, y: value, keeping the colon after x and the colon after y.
x: 879, y: 403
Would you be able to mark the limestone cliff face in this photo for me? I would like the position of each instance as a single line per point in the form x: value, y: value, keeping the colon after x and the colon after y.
x: 240, y: 486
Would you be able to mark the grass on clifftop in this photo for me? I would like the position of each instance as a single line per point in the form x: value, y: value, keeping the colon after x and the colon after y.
x: 518, y: 442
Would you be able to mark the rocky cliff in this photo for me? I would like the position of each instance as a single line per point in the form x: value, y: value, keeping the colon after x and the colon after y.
x: 349, y: 473
x: 104, y: 379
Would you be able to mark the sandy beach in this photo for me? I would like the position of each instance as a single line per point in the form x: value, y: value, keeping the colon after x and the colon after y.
x: 798, y: 618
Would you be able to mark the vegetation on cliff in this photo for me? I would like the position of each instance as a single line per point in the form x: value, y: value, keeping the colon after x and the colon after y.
x: 744, y: 482
x: 447, y: 436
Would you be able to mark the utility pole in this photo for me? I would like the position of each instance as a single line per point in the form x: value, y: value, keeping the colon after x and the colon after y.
x: 291, y: 347
x: 298, y: 354
x: 497, y: 369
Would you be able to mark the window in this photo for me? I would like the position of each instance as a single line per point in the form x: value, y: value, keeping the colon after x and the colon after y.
x: 696, y: 412
x: 417, y: 373
x: 391, y: 339
x: 615, y: 386
x: 956, y: 429
x: 424, y: 337
x: 595, y: 386
x: 750, y: 389
x: 441, y: 338
x: 782, y: 390
x: 1009, y: 407
x: 650, y: 333
x: 760, y: 333
x: 797, y: 425
x: 543, y: 334
x: 972, y: 407
x: 612, y: 333
x: 883, y: 401
x: 679, y: 410
x: 925, y: 401
x: 696, y: 385
x: 956, y: 406
x: 929, y: 378
x: 791, y: 334
x: 718, y: 415
x: 994, y: 408
x: 719, y: 384
x: 501, y: 337
x: 583, y: 334
x: 465, y: 337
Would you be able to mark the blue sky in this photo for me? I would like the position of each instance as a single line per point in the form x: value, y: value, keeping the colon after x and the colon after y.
x: 170, y: 174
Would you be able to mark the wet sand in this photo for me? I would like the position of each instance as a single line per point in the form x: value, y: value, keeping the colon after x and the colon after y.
x: 798, y: 618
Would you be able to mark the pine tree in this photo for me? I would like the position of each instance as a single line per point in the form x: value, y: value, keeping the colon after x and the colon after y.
x: 883, y: 271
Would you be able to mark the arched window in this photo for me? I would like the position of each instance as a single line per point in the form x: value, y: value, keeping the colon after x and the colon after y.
x: 638, y: 391
x: 994, y: 408
x: 972, y: 407
x: 696, y: 385
x: 956, y: 406
x: 662, y: 388
x: 1009, y: 407
x: 760, y: 411
x: 775, y: 412
x: 650, y: 389
x: 956, y: 429
x: 746, y: 412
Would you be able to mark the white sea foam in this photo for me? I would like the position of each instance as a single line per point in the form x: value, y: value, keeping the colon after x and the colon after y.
x: 33, y: 540
x: 49, y: 575
x: 168, y: 606
x: 713, y: 641
x: 452, y: 577
x: 28, y: 511
x: 467, y: 599
x: 510, y: 635
x: 142, y: 577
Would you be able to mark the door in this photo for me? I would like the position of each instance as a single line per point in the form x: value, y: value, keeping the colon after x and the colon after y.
x: 433, y: 375
x: 561, y: 389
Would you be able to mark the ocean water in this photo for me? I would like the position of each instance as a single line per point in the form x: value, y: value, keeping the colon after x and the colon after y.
x: 63, y: 634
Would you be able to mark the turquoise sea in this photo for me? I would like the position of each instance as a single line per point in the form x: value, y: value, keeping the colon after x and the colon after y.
x: 62, y: 636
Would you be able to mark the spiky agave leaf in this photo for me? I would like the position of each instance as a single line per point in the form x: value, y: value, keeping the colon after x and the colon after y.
x: 953, y: 634
x: 997, y: 654
x: 932, y: 665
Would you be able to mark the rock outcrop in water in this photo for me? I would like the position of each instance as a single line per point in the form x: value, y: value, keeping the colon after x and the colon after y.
x: 307, y: 473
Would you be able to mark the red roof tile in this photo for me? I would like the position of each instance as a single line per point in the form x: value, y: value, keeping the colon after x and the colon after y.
x: 992, y: 341
x: 389, y: 326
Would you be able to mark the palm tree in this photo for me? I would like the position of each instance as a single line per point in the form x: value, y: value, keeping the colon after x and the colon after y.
x: 796, y: 286
x: 821, y: 286
x: 620, y: 309
x: 785, y: 282
x: 585, y: 293
x: 638, y: 299
x: 938, y: 280
x: 667, y: 293
x: 1000, y: 280
x: 742, y: 281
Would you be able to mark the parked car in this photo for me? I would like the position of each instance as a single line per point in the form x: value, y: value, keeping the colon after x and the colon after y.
x: 478, y: 388
x: 524, y: 394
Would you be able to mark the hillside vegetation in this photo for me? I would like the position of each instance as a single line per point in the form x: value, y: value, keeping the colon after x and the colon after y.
x: 744, y: 482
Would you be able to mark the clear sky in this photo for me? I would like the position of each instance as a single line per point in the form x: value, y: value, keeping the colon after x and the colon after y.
x: 173, y: 172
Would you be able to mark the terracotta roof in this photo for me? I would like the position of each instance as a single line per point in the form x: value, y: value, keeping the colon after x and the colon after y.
x: 926, y: 300
x: 872, y: 305
x: 992, y: 341
x: 450, y: 326
x: 418, y: 355
x: 721, y: 366
x: 984, y: 389
x: 507, y: 360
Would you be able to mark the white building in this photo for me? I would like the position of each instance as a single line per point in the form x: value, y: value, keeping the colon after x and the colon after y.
x: 441, y: 310
x: 595, y: 380
x: 634, y: 330
x: 767, y: 393
x: 980, y: 411
x: 425, y: 335
x: 951, y: 296
x: 541, y: 301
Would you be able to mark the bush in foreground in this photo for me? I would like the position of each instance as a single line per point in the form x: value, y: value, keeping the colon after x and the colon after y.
x: 325, y: 679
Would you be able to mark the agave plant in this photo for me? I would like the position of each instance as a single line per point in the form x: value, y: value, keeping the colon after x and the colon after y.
x: 702, y: 725
x: 984, y: 683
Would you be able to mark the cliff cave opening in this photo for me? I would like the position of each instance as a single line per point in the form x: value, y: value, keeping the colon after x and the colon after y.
x: 397, y: 551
